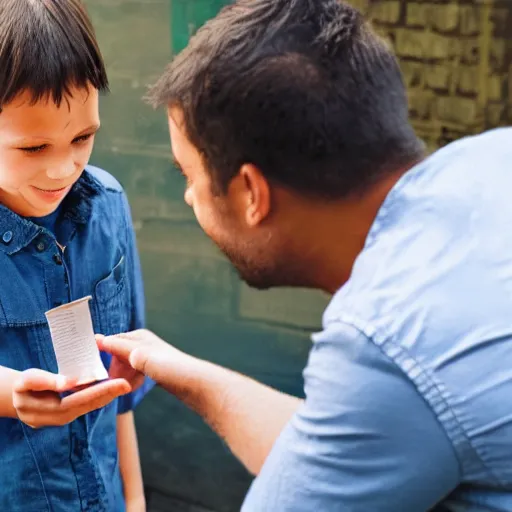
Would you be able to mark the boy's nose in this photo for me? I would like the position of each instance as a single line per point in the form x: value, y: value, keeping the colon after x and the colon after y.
x: 63, y: 171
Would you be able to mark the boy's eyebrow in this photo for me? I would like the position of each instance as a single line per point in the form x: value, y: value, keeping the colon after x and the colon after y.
x: 91, y: 129
x: 29, y: 140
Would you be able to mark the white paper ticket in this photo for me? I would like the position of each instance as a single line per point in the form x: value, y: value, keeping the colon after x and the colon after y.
x: 74, y: 343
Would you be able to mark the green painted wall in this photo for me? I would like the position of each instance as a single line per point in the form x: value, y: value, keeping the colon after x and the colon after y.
x: 187, y: 16
x: 456, y: 60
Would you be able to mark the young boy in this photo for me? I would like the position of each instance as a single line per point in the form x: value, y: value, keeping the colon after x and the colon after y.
x: 65, y: 233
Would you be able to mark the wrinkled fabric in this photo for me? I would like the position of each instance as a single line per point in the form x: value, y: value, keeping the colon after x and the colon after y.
x: 409, y: 385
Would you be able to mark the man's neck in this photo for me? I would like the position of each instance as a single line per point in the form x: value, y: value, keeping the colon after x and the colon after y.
x: 333, y: 234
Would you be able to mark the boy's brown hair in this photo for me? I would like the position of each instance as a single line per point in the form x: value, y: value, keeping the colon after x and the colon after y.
x: 46, y: 47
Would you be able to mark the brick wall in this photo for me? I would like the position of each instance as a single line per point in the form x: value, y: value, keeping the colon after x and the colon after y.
x: 456, y: 60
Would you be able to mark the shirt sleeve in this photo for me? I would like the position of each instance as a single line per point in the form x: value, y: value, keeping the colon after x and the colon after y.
x: 364, y: 440
x: 128, y: 402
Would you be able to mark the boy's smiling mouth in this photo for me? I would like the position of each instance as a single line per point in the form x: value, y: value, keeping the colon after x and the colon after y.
x: 51, y: 194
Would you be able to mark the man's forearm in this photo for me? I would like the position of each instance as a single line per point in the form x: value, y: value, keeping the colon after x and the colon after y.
x: 248, y: 415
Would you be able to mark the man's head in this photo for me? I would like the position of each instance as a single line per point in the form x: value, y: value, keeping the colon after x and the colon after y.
x: 52, y: 71
x: 276, y: 103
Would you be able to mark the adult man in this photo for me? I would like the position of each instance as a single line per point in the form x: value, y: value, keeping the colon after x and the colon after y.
x: 289, y: 120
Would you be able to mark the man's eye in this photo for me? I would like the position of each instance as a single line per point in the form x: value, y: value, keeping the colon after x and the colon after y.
x: 33, y: 149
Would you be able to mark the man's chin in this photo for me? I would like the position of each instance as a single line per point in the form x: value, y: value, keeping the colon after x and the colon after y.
x: 255, y: 281
x: 262, y: 282
x: 257, y: 285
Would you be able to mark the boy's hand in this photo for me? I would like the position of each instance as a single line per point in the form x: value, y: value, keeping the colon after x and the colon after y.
x: 37, y: 401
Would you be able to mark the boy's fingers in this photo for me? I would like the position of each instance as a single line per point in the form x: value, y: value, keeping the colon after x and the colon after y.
x: 40, y: 380
x: 95, y: 397
x: 37, y: 402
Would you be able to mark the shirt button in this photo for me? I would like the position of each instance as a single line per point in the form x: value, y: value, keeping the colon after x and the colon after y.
x: 7, y: 237
x: 40, y: 247
x: 57, y: 259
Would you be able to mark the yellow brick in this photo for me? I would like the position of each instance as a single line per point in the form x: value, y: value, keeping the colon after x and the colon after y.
x: 409, y: 43
x: 498, y: 50
x: 500, y: 17
x: 467, y: 79
x: 418, y: 44
x: 438, y: 76
x: 360, y: 5
x: 470, y: 50
x: 420, y: 102
x: 495, y: 87
x: 386, y: 12
x: 495, y: 114
x: 412, y: 72
x: 445, y: 17
x: 469, y: 20
x: 456, y: 110
x: 417, y: 14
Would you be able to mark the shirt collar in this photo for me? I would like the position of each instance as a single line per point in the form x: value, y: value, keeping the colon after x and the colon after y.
x: 16, y: 232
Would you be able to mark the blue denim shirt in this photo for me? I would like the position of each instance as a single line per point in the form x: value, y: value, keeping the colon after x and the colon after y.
x: 409, y: 386
x: 74, y: 467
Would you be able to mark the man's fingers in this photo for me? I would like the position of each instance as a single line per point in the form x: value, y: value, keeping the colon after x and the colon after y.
x: 120, y: 345
x: 95, y: 397
x: 39, y: 380
x: 139, y: 360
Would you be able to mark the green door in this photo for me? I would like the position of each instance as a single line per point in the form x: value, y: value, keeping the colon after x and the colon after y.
x: 194, y: 298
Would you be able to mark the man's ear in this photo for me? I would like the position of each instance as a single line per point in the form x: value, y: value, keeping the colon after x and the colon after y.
x: 253, y: 191
x: 258, y: 194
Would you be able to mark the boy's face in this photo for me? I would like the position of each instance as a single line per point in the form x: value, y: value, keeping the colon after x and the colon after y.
x: 44, y: 149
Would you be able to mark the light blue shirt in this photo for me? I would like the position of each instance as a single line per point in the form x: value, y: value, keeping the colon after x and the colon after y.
x: 409, y: 386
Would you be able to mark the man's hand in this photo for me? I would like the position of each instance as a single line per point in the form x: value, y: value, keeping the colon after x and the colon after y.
x: 140, y: 353
x: 236, y: 407
x: 37, y: 401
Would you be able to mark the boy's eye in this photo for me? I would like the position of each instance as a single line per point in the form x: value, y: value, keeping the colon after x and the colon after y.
x: 37, y: 149
x: 33, y: 149
x: 83, y: 138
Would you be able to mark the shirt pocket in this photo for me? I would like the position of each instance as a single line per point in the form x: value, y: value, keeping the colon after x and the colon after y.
x: 111, y: 306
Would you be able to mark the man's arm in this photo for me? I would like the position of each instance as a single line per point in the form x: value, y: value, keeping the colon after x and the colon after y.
x: 364, y: 440
x: 248, y: 415
x: 129, y: 463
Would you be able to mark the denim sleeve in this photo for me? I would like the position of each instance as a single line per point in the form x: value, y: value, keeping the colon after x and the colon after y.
x: 128, y: 402
x: 364, y: 440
